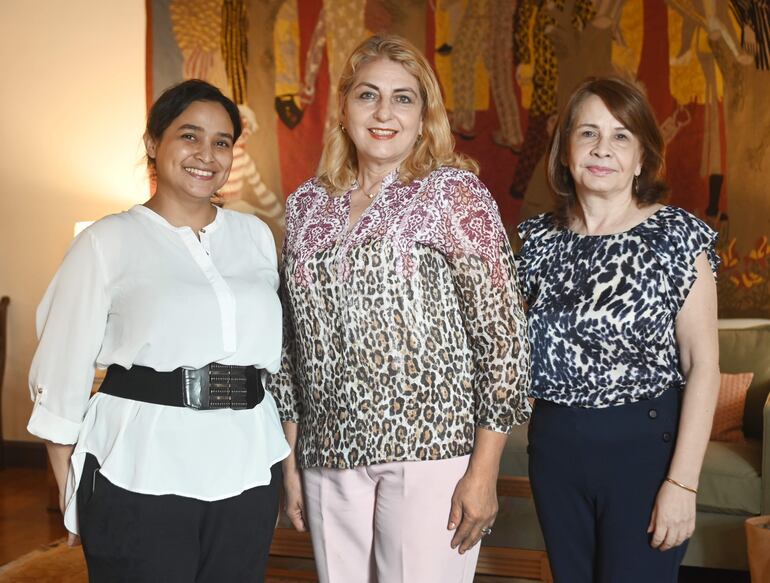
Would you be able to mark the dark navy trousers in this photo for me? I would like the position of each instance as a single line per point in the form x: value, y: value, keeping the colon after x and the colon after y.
x: 595, y: 474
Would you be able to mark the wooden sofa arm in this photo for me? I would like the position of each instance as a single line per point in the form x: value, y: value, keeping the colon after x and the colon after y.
x: 515, y: 487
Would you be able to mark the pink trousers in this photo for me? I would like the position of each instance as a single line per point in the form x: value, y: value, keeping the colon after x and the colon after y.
x: 386, y: 523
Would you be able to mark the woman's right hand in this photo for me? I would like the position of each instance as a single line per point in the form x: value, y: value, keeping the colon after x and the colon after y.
x: 294, y: 503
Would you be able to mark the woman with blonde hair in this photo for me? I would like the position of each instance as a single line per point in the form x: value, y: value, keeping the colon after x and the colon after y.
x: 405, y: 354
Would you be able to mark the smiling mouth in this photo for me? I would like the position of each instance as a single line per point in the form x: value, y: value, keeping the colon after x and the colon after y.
x: 199, y: 173
x: 382, y: 134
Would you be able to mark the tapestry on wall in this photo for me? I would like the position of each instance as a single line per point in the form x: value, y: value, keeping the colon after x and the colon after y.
x: 506, y: 67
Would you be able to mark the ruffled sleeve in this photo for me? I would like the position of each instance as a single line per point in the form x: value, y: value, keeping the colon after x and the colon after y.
x: 532, y: 256
x: 679, y: 238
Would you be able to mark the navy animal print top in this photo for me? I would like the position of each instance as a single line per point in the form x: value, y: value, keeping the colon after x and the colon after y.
x: 602, y: 308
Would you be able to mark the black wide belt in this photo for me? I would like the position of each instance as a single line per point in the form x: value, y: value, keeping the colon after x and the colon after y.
x: 215, y: 386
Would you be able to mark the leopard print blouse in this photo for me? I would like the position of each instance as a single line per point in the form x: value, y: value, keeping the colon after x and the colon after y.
x: 405, y: 332
x: 602, y: 309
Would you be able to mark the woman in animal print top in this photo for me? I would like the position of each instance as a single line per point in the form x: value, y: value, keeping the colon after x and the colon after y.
x: 406, y: 360
x: 622, y: 322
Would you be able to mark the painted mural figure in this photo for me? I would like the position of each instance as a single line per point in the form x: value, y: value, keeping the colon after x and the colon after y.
x: 486, y: 30
x: 703, y: 18
x: 745, y: 282
x: 245, y: 190
x: 539, y: 53
x: 220, y: 59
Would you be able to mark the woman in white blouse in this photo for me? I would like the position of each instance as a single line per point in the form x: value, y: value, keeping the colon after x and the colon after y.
x: 170, y: 472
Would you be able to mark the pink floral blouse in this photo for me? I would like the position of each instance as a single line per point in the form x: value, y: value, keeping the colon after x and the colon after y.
x: 405, y: 331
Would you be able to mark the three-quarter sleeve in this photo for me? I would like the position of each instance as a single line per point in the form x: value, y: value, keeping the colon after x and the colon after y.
x: 484, y: 276
x: 70, y: 322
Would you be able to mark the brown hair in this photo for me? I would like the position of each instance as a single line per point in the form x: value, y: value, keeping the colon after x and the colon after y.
x: 628, y: 104
x: 339, y: 164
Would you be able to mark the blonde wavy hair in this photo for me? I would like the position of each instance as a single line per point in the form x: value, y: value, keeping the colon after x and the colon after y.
x: 339, y: 163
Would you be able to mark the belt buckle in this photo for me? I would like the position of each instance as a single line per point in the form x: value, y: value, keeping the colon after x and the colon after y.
x: 215, y: 386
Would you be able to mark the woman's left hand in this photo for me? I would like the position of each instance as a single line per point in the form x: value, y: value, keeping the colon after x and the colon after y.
x: 673, y: 517
x: 474, y: 507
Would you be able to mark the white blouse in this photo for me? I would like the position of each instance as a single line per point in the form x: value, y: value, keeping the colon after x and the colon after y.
x: 133, y: 289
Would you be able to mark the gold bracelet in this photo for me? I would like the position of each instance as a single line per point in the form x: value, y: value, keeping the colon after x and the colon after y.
x: 693, y: 490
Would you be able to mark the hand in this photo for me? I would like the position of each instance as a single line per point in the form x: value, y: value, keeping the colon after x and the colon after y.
x: 294, y: 503
x: 474, y: 507
x: 673, y: 517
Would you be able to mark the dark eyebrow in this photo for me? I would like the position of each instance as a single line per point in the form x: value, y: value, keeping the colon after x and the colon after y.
x: 189, y: 126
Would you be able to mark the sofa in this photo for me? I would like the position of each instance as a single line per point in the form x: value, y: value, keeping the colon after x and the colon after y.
x: 734, y: 483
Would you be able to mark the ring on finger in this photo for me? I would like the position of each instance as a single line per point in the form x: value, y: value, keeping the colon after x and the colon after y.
x: 486, y: 531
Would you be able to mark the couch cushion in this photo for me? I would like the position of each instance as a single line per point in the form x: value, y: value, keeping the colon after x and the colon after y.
x: 731, y: 404
x: 730, y: 481
x: 748, y: 350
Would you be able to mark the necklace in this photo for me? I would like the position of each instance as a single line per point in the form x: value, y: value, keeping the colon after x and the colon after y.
x: 375, y: 191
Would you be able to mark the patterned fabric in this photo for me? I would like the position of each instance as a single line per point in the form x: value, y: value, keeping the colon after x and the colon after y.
x: 405, y: 332
x: 470, y: 44
x: 602, y: 309
x: 486, y: 30
x: 499, y: 51
x: 545, y: 76
x: 728, y: 417
x: 344, y: 26
x: 545, y: 64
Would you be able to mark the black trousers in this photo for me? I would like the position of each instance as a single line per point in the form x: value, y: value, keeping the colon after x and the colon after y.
x: 140, y: 538
x: 595, y: 474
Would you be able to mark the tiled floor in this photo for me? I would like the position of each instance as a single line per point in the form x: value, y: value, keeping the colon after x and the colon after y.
x: 25, y: 525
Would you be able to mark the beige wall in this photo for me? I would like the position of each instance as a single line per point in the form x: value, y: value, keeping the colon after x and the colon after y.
x: 72, y: 109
